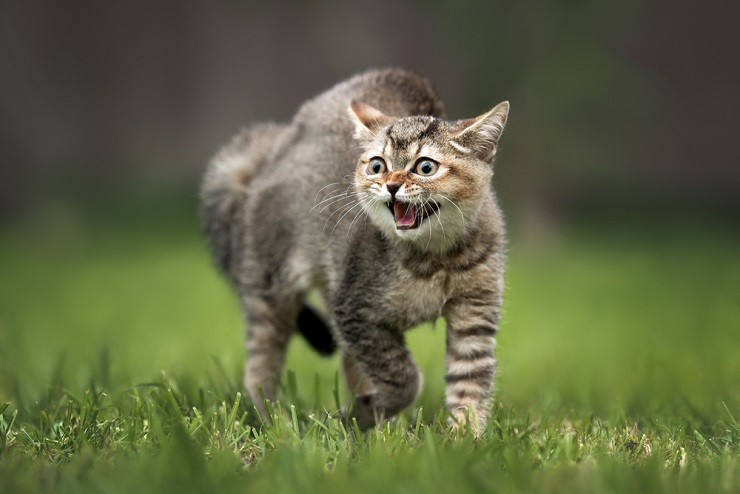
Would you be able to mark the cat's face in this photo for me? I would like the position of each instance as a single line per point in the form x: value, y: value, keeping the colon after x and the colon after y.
x: 422, y: 179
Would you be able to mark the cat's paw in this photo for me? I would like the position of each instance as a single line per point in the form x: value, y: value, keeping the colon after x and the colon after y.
x: 463, y: 418
x: 364, y: 410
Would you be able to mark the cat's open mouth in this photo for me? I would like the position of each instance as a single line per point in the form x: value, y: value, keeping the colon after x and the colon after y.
x: 409, y: 216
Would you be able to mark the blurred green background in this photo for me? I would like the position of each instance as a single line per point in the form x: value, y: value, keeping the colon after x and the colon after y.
x: 618, y: 173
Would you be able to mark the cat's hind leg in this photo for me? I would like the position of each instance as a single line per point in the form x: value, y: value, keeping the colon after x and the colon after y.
x: 269, y: 328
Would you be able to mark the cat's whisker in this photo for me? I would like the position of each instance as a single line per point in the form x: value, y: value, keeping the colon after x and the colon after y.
x: 363, y: 201
x: 453, y: 203
x: 335, y: 194
x: 441, y: 226
x: 426, y: 202
x: 358, y: 215
x: 330, y: 195
x: 335, y: 200
x: 359, y: 203
x: 352, y: 223
x: 344, y: 181
x: 341, y: 209
x: 324, y: 187
x: 331, y: 192
x: 329, y: 200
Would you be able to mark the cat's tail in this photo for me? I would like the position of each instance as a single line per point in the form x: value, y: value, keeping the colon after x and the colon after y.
x: 315, y: 331
x: 225, y: 187
x: 223, y: 196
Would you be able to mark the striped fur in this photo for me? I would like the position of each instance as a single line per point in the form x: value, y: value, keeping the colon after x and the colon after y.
x: 298, y: 207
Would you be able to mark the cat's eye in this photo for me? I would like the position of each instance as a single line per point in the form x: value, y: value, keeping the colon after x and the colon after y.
x: 375, y: 166
x: 427, y: 168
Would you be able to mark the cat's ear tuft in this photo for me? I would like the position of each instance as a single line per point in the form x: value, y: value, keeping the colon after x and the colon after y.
x: 481, y: 134
x: 367, y: 119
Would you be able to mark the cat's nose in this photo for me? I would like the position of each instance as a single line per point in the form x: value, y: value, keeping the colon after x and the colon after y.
x: 393, y: 188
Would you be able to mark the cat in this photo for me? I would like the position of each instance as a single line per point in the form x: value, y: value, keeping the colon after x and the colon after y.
x: 370, y: 197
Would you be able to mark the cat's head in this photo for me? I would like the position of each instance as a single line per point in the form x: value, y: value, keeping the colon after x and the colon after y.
x: 423, y: 179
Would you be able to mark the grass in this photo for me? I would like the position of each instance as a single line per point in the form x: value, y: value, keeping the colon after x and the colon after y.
x: 121, y: 351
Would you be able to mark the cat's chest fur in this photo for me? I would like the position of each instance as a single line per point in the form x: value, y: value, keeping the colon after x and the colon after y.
x: 413, y: 301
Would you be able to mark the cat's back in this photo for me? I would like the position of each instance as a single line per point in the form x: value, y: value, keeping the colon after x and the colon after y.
x: 396, y: 92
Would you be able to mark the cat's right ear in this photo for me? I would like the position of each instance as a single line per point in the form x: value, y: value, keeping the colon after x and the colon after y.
x: 367, y: 119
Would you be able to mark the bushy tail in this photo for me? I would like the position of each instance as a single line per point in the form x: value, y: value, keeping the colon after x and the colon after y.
x: 223, y: 196
x: 225, y: 188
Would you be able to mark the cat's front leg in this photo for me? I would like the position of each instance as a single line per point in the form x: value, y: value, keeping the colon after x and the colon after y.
x: 472, y: 323
x: 382, y: 358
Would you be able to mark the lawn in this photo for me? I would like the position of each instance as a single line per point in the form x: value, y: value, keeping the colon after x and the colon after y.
x: 121, y: 351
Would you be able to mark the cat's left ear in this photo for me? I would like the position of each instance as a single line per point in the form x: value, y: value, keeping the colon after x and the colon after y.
x: 481, y: 134
x: 368, y: 120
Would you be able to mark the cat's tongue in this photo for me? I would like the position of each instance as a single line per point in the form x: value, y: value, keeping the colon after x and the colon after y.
x: 404, y: 214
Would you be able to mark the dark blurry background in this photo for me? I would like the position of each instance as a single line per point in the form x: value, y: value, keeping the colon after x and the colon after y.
x: 616, y: 106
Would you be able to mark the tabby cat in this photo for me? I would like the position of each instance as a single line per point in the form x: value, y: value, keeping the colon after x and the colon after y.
x: 384, y: 208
